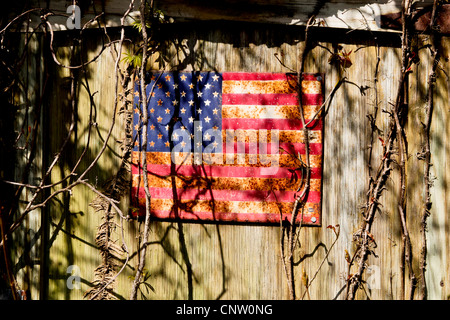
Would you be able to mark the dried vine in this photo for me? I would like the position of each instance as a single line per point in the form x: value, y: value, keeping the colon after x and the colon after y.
x: 425, y: 155
x: 105, y: 201
x: 116, y: 188
x: 144, y: 102
x: 394, y: 156
x: 395, y: 144
x: 293, y: 228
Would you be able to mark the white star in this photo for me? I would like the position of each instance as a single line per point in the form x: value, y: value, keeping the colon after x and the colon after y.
x: 199, y: 111
x: 191, y: 120
x: 216, y: 77
x: 200, y: 77
x: 199, y: 128
x: 174, y: 136
x: 175, y: 85
x: 215, y: 111
x: 207, y: 103
x: 207, y: 119
x: 183, y: 94
x: 199, y: 93
x: 207, y: 86
x: 175, y: 102
x: 216, y: 94
x: 191, y: 103
x: 183, y: 110
x: 207, y: 136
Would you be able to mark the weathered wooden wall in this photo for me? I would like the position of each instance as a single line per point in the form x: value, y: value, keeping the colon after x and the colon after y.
x: 26, y: 240
x: 347, y: 14
x: 226, y: 261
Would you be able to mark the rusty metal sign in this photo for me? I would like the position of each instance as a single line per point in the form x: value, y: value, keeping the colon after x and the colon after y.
x: 226, y: 146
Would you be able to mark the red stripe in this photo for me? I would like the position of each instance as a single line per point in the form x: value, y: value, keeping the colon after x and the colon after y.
x: 255, y: 76
x: 266, y: 76
x: 312, y: 99
x: 269, y: 124
x: 293, y: 148
x: 260, y: 99
x: 223, y: 171
x: 227, y: 216
x: 309, y: 76
x: 271, y: 99
x: 222, y: 216
x: 226, y: 195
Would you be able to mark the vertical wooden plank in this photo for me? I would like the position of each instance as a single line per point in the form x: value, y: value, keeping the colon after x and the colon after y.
x: 415, y: 167
x: 388, y: 227
x: 438, y: 223
x: 73, y: 223
x: 26, y: 240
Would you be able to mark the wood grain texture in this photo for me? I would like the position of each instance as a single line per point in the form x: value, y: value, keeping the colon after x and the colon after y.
x: 227, y: 261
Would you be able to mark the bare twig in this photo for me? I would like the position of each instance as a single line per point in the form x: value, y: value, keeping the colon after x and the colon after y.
x: 287, y: 259
x: 309, y: 282
x: 377, y: 185
x: 140, y: 268
x: 104, y: 273
x: 82, y: 64
x: 426, y: 153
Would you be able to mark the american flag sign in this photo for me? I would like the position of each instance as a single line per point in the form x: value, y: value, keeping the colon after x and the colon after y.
x: 226, y: 146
